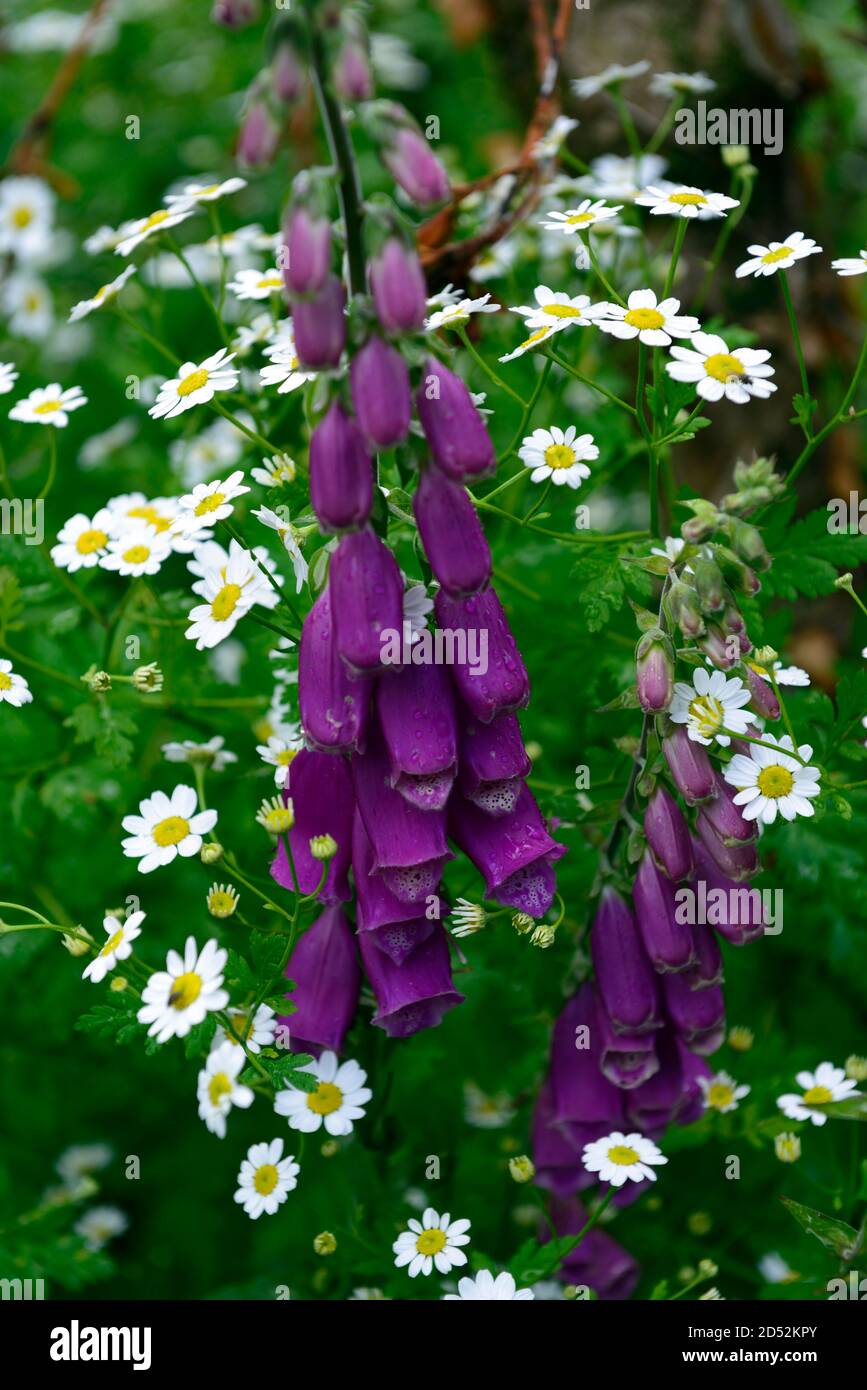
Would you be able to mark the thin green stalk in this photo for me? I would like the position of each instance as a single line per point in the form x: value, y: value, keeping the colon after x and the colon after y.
x: 52, y: 464
x: 668, y: 119
x: 607, y: 286
x: 579, y: 376
x: 626, y: 121
x: 489, y: 371
x: 679, y: 235
x: 212, y: 308
x: 793, y: 322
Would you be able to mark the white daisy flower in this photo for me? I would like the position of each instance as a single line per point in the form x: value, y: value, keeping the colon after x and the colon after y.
x: 851, y: 265
x: 8, y: 377
x: 130, y: 510
x: 208, y: 502
x: 650, y: 322
x: 48, y: 405
x: 28, y: 305
x: 558, y: 454
x: 417, y: 604
x: 549, y: 144
x: 486, y: 1288
x: 433, y: 1241
x: 218, y: 1088
x: 721, y: 1092
x: 619, y: 1158
x: 82, y: 541
x: 454, y: 314
x: 280, y: 752
x: 682, y: 200
x: 618, y: 176
x: 132, y: 234
x: 575, y: 220
x: 494, y: 261
x: 778, y: 255
x: 165, y: 827
x: 276, y: 471
x: 487, y: 1112
x: 178, y: 998
x: 261, y: 329
x: 256, y: 1032
x: 80, y: 1160
x: 535, y: 339
x: 444, y: 297
x: 285, y: 371
x: 103, y: 239
x: 193, y: 193
x: 266, y: 1179
x: 279, y: 521
x: 14, y: 689
x: 717, y: 372
x: 466, y: 918
x: 99, y: 1225
x: 826, y: 1084
x: 559, y: 310
x: 195, y: 385
x: 712, y: 707
x: 26, y: 217
x: 140, y: 550
x: 775, y: 1270
x: 340, y: 1097
x: 212, y: 754
x: 783, y: 675
x: 672, y: 84
x: 229, y: 593
x: 615, y: 73
x: 102, y: 296
x: 121, y: 935
x: 771, y: 780
x: 211, y: 562
x: 256, y: 284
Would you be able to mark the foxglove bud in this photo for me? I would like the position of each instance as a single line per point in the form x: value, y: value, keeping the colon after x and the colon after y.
x: 725, y: 817
x: 747, y: 543
x: 715, y: 645
x: 709, y: 584
x: 352, y: 76
x: 408, y: 845
x: 737, y: 861
x: 732, y: 620
x: 704, y: 521
x: 667, y: 835
x: 333, y: 705
x: 324, y: 966
x: 307, y: 237
x: 735, y: 572
x: 320, y: 325
x: 367, y: 594
x: 492, y: 676
x: 698, y: 1015
x: 493, y: 762
x: 624, y: 977
x: 258, y: 137
x: 341, y: 475
x: 419, y: 725
x: 689, y: 766
x: 380, y: 393
x: 396, y: 927
x: 320, y: 789
x: 413, y: 165
x: 654, y: 671
x: 398, y: 287
x: 626, y: 1059
x: 415, y: 993
x: 667, y: 941
x: 764, y: 700
x: 708, y: 968
x: 454, y: 429
x: 235, y: 14
x: 682, y: 607
x: 288, y: 76
x: 452, y: 535
x: 736, y: 913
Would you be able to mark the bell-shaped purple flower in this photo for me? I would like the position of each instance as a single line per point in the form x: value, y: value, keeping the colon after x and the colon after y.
x: 654, y: 671
x: 319, y: 321
x: 258, y: 137
x: 580, y: 1094
x: 556, y: 1157
x: 763, y: 701
x: 598, y: 1262
x: 667, y: 835
x: 333, y: 704
x: 737, y: 913
x: 320, y: 789
x: 352, y: 76
x: 667, y: 941
x: 493, y: 762
x: 698, y: 1015
x: 413, y: 165
x: 725, y: 817
x: 452, y: 535
x: 395, y: 926
x: 737, y: 861
x: 367, y: 594
x: 455, y: 431
x: 624, y: 978
x: 715, y: 645
x: 689, y: 766
x: 380, y: 393
x: 234, y: 14
x: 671, y: 1095
x: 398, y: 287
x: 626, y: 1059
x: 417, y: 716
x: 708, y: 967
x: 415, y: 994
x: 288, y: 75
x: 307, y: 237
x: 341, y: 475
x: 487, y: 667
x: 409, y: 846
x: 514, y: 853
x: 324, y: 967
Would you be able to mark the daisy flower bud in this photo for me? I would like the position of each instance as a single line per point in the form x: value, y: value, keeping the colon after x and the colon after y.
x: 522, y: 1168
x: 274, y: 817
x: 323, y: 847
x: 119, y: 984
x: 740, y: 1038
x: 325, y: 1243
x: 148, y: 679
x: 699, y: 1223
x: 708, y: 1269
x: 543, y: 937
x: 77, y: 945
x: 329, y: 1148
x: 97, y: 681
x: 856, y: 1068
x: 787, y: 1147
x: 734, y: 156
x: 222, y: 900
x: 523, y: 922
x: 211, y: 853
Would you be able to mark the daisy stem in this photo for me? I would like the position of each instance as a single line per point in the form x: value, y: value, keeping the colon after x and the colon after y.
x: 480, y: 361
x: 839, y: 417
x: 681, y: 429
x: 802, y: 366
x: 572, y: 160
x: 573, y: 371
x: 626, y: 121
x: 31, y: 911
x: 144, y: 333
x: 229, y: 1027
x: 742, y: 184
x: 218, y: 319
x: 239, y: 425
x: 679, y: 235
x: 525, y: 418
x: 232, y: 868
x: 565, y: 1247
x: 668, y: 119
x: 610, y: 538
x: 48, y: 671
x: 762, y: 743
x: 502, y: 487
x: 52, y: 465
x: 639, y: 390
x: 600, y: 274
x: 848, y: 589
x: 537, y: 505
x: 653, y: 488
x: 281, y: 631
x: 785, y: 713
x: 218, y: 233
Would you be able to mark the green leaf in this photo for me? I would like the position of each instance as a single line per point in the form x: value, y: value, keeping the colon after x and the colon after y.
x: 836, y: 1235
x: 115, y: 1020
x: 106, y: 727
x: 599, y: 585
x: 198, y: 1041
x: 805, y: 409
x: 855, y: 1108
x: 11, y: 603
x: 807, y: 556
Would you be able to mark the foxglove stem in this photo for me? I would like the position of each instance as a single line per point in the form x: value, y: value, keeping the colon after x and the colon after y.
x: 343, y: 156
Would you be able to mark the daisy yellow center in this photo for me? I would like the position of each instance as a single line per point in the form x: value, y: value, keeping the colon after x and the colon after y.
x: 222, y: 904
x: 325, y: 1099
x: 644, y: 318
x: 137, y: 554
x: 771, y: 257
x: 775, y: 781
x: 219, y: 1086
x: 431, y: 1242
x: 561, y: 311
x: 101, y: 293
x: 5, y: 681
x: 265, y: 1179
x: 689, y: 200
x: 152, y: 516
x: 708, y: 714
x: 623, y: 1155
x: 31, y: 303
x: 818, y: 1095
x: 242, y: 1026
x: 225, y: 602
x: 723, y: 365
x: 171, y: 831
x: 112, y: 943
x: 46, y: 408
x: 286, y: 756
x: 209, y: 503
x: 269, y: 282
x: 185, y: 990
x: 194, y: 381
x: 22, y: 217
x: 559, y: 456
x: 156, y: 219
x: 535, y: 337
x: 89, y: 541
x: 211, y: 188
x: 720, y: 1095
x: 278, y: 819
x: 579, y: 218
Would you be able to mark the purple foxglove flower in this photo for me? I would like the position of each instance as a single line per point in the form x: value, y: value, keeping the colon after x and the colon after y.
x: 763, y: 701
x: 258, y: 137
x: 654, y: 671
x: 413, y: 165
x: 580, y: 1094
x: 672, y: 1094
x: 352, y: 76
x: 708, y: 968
x: 739, y: 745
x: 667, y: 835
x: 698, y: 1015
x: 667, y: 941
x: 455, y: 431
x: 409, y: 846
x: 624, y: 978
x: 691, y: 1107
x: 514, y: 853
x: 380, y: 393
x: 398, y: 287
x: 735, y: 912
x: 626, y: 1059
x: 598, y: 1262
x: 341, y: 476
x: 288, y: 75
x: 324, y: 967
x: 493, y: 762
x: 235, y: 14
x: 723, y: 816
x: 715, y: 645
x: 417, y: 716
x: 333, y: 704
x: 452, y: 535
x: 307, y: 238
x: 737, y: 861
x: 320, y: 324
x: 320, y: 788
x: 367, y: 594
x: 689, y: 766
x: 492, y: 677
x: 732, y: 620
x: 415, y: 994
x: 557, y: 1159
x: 393, y: 925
